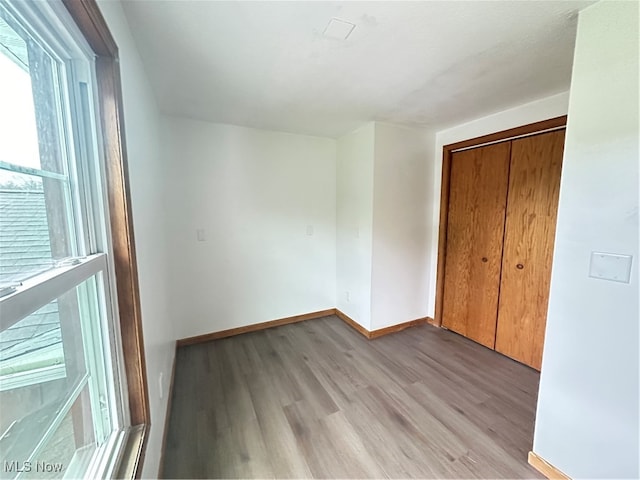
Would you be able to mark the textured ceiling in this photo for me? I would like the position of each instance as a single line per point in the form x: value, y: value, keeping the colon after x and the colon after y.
x: 267, y: 64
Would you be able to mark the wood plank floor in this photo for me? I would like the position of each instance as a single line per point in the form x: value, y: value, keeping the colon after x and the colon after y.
x: 317, y: 400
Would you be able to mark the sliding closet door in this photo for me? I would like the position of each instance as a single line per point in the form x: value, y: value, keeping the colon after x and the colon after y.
x: 477, y: 202
x: 534, y: 184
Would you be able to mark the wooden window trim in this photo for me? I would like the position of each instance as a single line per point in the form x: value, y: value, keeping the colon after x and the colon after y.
x: 93, y: 26
x: 447, y: 150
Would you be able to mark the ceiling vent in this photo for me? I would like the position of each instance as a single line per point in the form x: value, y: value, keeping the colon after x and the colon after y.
x: 338, y: 29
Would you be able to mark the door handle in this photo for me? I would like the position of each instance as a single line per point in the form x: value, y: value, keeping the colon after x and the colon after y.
x: 519, y: 266
x: 485, y: 259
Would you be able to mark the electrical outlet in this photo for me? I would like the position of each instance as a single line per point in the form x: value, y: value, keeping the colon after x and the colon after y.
x: 161, y: 385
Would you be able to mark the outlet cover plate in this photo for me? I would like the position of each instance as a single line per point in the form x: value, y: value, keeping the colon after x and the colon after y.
x: 610, y: 266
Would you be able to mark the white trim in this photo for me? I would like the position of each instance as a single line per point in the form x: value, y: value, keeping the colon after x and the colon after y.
x: 95, y: 358
x: 79, y: 463
x: 37, y: 291
x: 81, y: 185
x: 51, y: 26
x: 35, y: 172
x: 104, y: 463
x: 32, y: 377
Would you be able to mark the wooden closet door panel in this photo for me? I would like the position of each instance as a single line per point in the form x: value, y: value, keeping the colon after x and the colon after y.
x: 475, y: 227
x: 534, y: 185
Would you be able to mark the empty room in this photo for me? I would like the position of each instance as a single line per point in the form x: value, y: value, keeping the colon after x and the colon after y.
x: 313, y: 239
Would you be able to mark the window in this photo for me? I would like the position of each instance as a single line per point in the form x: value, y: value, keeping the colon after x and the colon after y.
x: 65, y: 406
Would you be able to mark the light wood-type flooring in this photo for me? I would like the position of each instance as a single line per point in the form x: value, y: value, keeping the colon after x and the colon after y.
x: 317, y: 400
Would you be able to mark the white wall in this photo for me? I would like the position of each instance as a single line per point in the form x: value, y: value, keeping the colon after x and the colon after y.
x: 354, y: 223
x: 383, y: 216
x: 255, y: 193
x: 543, y: 109
x: 587, y: 420
x: 147, y: 179
x: 401, y: 219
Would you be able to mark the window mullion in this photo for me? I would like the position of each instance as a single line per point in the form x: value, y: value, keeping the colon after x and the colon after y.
x: 36, y: 172
x: 42, y: 289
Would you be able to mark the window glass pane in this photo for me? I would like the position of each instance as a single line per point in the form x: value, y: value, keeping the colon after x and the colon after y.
x: 30, y: 134
x: 35, y: 230
x: 65, y: 452
x: 54, y: 384
x: 32, y: 346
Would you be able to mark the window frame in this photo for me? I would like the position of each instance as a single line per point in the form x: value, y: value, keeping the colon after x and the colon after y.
x: 121, y: 279
x: 87, y: 16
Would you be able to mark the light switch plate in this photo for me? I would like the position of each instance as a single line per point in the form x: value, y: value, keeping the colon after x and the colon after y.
x: 610, y: 266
